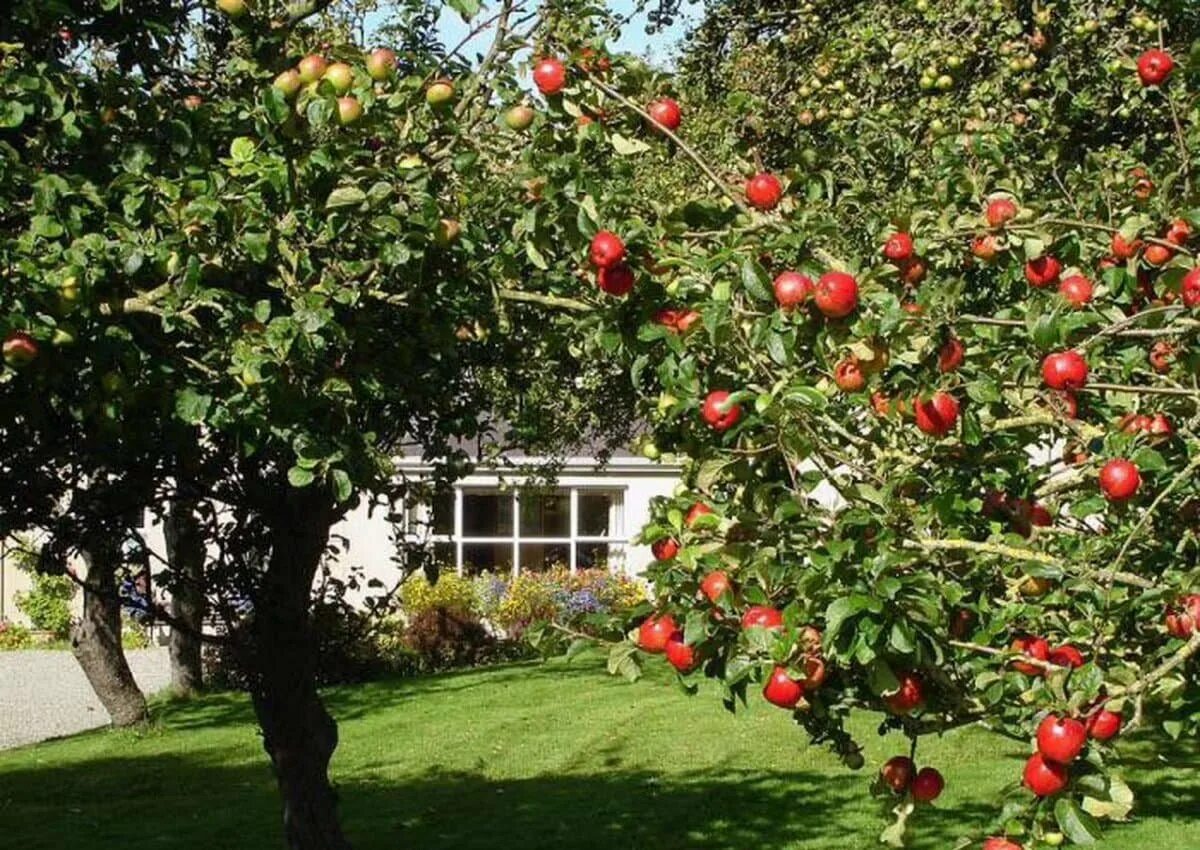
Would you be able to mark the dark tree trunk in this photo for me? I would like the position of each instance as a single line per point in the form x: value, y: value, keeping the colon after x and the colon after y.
x: 185, y: 554
x: 298, y: 733
x: 96, y: 638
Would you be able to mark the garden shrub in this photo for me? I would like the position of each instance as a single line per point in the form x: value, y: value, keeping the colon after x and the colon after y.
x: 14, y: 636
x: 444, y: 638
x: 48, y: 604
x: 451, y: 591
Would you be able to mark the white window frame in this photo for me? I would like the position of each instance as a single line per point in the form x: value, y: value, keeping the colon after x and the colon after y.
x: 616, y: 536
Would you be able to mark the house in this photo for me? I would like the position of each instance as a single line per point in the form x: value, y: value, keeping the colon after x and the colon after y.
x: 494, y: 520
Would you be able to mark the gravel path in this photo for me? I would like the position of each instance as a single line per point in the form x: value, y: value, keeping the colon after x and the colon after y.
x: 44, y: 694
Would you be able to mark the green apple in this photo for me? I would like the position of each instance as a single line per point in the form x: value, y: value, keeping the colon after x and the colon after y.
x: 439, y: 93
x: 380, y: 64
x: 519, y: 117
x: 233, y: 8
x: 349, y: 110
x: 311, y: 68
x: 288, y: 83
x: 340, y: 76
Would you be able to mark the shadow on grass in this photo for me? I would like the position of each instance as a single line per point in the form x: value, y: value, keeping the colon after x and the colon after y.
x: 175, y: 802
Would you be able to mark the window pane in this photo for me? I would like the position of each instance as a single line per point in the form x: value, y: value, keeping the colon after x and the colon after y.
x: 443, y: 554
x: 487, y: 514
x: 598, y: 556
x: 536, y: 557
x: 545, y: 515
x: 597, y: 514
x: 487, y: 558
x: 443, y: 513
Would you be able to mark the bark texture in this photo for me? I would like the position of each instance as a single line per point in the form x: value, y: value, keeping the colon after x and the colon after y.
x: 185, y: 554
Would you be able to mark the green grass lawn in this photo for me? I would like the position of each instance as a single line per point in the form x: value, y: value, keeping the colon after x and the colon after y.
x: 530, y: 756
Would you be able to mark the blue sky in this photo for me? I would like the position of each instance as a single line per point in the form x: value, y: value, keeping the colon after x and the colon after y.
x: 658, y: 48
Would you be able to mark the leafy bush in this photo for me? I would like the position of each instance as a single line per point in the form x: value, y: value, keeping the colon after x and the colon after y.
x: 444, y: 638
x: 559, y: 596
x: 48, y: 603
x: 451, y: 591
x: 134, y: 636
x: 14, y: 636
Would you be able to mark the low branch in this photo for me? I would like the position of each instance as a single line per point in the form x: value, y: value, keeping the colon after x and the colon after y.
x: 555, y: 301
x: 1161, y: 671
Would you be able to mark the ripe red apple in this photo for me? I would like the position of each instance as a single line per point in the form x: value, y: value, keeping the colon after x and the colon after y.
x: 681, y: 656
x: 985, y: 247
x: 311, y: 68
x: 1119, y: 480
x: 762, y: 617
x: 814, y: 672
x: 913, y: 271
x: 20, y: 349
x: 1000, y: 211
x: 1183, y: 620
x: 607, y: 250
x: 617, y: 280
x: 1154, y: 66
x: 1066, y: 656
x: 665, y: 549
x: 666, y: 112
x: 848, y: 375
x: 1178, y: 232
x: 899, y: 247
x: 764, y: 191
x: 792, y: 289
x: 1123, y: 249
x: 782, y: 690
x: 898, y: 772
x: 1103, y: 725
x: 951, y: 355
x: 836, y: 294
x: 288, y: 82
x: 927, y: 785
x: 550, y: 76
x: 1190, y: 288
x: 715, y: 585
x: 1160, y: 426
x: 1065, y: 370
x: 937, y: 415
x: 717, y: 414
x: 1161, y: 355
x: 381, y: 63
x: 349, y: 110
x: 695, y: 512
x: 519, y: 117
x: 685, y: 320
x: 1157, y: 255
x: 1044, y: 778
x: 1033, y: 647
x: 654, y: 632
x: 1076, y: 290
x: 1000, y: 844
x: 340, y: 76
x: 1061, y: 739
x: 909, y: 697
x: 1043, y: 271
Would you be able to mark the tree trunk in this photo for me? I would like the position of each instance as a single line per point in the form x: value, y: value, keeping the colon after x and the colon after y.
x: 96, y: 638
x: 298, y: 733
x: 185, y: 554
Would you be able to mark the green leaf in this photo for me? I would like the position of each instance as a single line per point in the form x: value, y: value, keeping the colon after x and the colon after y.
x: 755, y: 281
x: 12, y: 114
x: 300, y: 477
x: 242, y: 149
x: 626, y: 146
x: 467, y: 9
x: 345, y: 196
x: 342, y: 487
x: 191, y: 406
x: 1078, y: 825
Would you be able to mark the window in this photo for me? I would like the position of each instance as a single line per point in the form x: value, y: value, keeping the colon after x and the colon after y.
x: 482, y: 530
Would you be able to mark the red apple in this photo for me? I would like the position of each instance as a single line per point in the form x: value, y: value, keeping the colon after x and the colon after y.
x: 1066, y: 656
x: 685, y: 320
x: 1061, y: 739
x: 1154, y: 66
x: 951, y: 355
x: 764, y: 191
x: 311, y: 68
x: 666, y: 112
x: 792, y: 289
x: 695, y: 512
x: 1065, y: 370
x: 715, y: 585
x: 1032, y: 647
x: 1000, y: 844
x: 1000, y: 211
x: 1076, y: 290
x: 898, y: 772
x: 616, y: 280
x: 1119, y: 480
x: 927, y: 785
x: 1103, y: 725
x: 909, y: 696
x: 1160, y: 425
x: 1190, y: 288
x: 519, y: 117
x: 762, y: 617
x: 1044, y: 778
x: 665, y: 549
x: 1183, y: 620
x: 836, y: 294
x: 681, y: 656
x: 848, y: 375
x: 1043, y: 271
x: 1157, y: 255
x: 814, y: 672
x: 937, y: 415
x: 899, y: 247
x: 1162, y: 354
x: 913, y: 271
x: 288, y: 82
x: 782, y: 690
x: 654, y: 632
x: 20, y: 349
x: 349, y: 110
x: 340, y: 76
x: 381, y: 63
x: 717, y: 413
x: 985, y: 247
x: 607, y: 250
x: 1178, y: 232
x: 550, y: 76
x: 1123, y: 249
